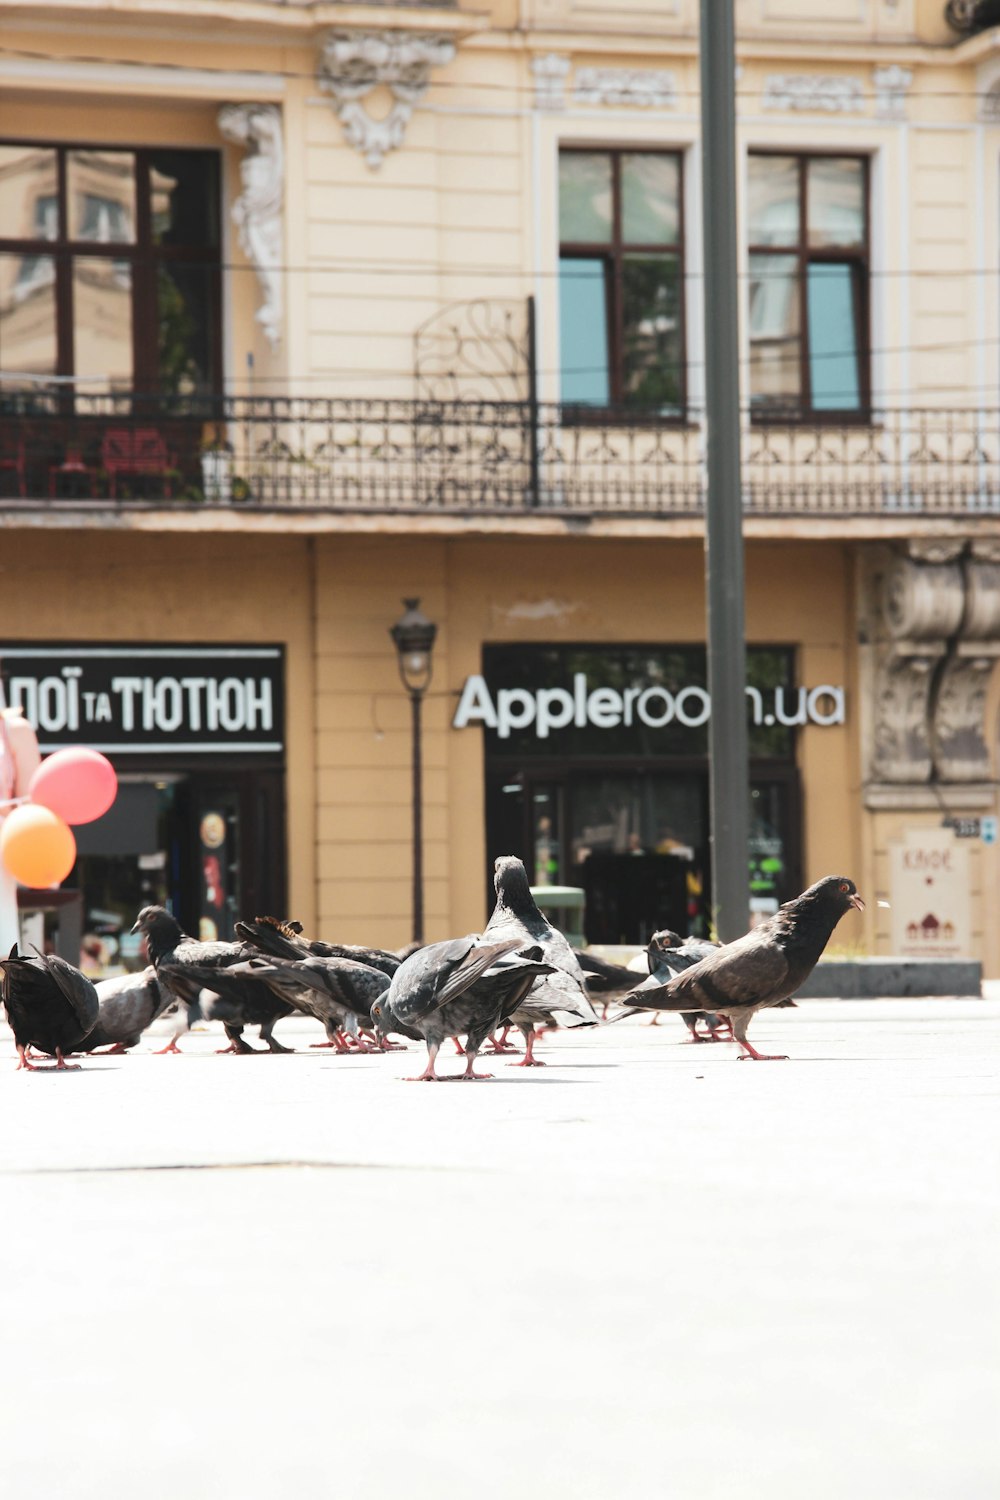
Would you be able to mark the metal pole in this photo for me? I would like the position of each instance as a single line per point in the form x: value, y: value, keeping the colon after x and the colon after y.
x: 418, y: 828
x: 729, y: 776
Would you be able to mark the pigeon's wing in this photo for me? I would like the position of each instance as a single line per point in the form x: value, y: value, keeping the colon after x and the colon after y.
x: 76, y: 988
x: 747, y: 972
x: 279, y: 939
x: 470, y: 968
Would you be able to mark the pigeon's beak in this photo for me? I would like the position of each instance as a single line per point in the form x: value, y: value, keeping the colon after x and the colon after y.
x: 135, y: 927
x: 857, y: 902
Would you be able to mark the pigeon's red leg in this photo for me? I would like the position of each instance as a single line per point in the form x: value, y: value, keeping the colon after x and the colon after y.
x: 470, y: 1075
x: 170, y: 1047
x: 63, y: 1065
x: 428, y: 1075
x: 740, y: 1024
x: 115, y: 1051
x: 499, y: 1044
x: 529, y: 1060
x: 654, y: 1019
x: 458, y: 1046
x: 22, y: 1061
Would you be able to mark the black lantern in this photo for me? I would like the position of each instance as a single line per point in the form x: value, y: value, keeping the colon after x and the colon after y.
x: 413, y: 637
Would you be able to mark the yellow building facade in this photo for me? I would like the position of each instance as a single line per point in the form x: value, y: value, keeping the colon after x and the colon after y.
x: 306, y: 309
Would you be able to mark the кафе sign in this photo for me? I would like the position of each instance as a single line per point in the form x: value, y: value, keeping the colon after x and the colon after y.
x: 130, y: 699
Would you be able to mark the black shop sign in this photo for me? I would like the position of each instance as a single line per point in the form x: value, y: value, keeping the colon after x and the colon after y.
x: 128, y: 700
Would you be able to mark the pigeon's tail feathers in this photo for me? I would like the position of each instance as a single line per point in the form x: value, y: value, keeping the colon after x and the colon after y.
x: 475, y: 964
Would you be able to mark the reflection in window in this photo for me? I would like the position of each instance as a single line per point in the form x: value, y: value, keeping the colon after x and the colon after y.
x: 621, y: 280
x: 28, y: 180
x: 27, y: 317
x: 808, y: 283
x: 102, y: 322
x: 101, y: 189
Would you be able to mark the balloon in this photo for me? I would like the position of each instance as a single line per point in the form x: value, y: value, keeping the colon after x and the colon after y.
x: 36, y: 845
x: 76, y: 783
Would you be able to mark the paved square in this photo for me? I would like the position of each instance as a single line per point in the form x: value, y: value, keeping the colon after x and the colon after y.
x: 644, y: 1271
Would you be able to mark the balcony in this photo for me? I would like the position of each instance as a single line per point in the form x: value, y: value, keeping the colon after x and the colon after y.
x: 477, y: 458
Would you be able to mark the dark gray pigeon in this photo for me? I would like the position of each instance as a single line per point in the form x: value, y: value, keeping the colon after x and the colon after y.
x: 50, y: 1005
x: 175, y: 956
x: 557, y: 995
x: 129, y: 1004
x: 285, y: 940
x: 335, y: 991
x: 667, y: 954
x: 766, y: 966
x: 466, y: 985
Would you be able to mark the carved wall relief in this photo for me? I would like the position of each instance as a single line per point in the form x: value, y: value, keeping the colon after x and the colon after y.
x: 353, y: 64
x: 258, y: 211
x: 934, y: 643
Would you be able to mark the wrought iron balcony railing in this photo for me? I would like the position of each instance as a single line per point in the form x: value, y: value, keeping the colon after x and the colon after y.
x: 479, y: 457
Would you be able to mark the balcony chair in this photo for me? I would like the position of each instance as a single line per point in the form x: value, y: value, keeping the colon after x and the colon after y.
x: 135, y: 451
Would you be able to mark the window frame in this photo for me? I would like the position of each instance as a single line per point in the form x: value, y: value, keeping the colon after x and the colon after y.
x: 858, y: 259
x: 613, y: 253
x: 143, y: 254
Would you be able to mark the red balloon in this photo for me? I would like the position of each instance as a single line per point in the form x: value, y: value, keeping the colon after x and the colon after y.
x: 37, y: 847
x: 78, y: 784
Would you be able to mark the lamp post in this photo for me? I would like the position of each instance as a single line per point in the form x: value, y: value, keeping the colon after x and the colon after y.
x: 413, y: 637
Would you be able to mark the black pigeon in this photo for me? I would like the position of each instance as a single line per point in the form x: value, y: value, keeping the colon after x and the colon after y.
x: 285, y: 940
x: 335, y: 991
x: 50, y: 1005
x: 175, y: 956
x: 766, y: 966
x: 667, y: 954
x: 464, y: 985
x: 605, y: 977
x: 129, y: 1004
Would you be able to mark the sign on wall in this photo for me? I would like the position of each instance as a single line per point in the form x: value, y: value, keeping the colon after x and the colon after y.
x: 131, y: 699
x: 929, y: 873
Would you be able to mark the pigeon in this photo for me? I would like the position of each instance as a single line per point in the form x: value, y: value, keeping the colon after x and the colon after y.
x: 174, y: 955
x: 668, y: 954
x: 335, y: 991
x: 465, y: 985
x: 129, y: 1003
x: 559, y: 993
x: 285, y: 940
x: 764, y: 967
x: 603, y: 976
x: 50, y: 1005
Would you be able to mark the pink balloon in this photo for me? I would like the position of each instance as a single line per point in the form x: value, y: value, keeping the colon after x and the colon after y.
x: 76, y: 783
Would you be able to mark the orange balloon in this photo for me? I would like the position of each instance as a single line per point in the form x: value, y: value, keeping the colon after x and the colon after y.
x: 36, y: 846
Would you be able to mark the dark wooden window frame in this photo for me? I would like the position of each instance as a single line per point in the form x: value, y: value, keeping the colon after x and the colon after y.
x: 143, y: 255
x: 613, y: 253
x: 860, y: 261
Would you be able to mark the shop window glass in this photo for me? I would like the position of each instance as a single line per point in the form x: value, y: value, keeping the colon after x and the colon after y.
x: 621, y: 280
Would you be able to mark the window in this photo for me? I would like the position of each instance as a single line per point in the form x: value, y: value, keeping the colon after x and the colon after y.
x: 808, y: 294
x: 621, y: 280
x: 109, y: 267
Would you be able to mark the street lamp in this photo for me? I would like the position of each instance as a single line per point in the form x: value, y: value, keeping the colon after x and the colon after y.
x: 413, y: 638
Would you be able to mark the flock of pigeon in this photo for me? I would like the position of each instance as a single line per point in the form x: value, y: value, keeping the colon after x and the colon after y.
x: 520, y: 972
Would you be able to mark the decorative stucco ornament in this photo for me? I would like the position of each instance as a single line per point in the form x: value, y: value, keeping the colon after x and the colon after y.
x: 891, y: 86
x: 353, y: 64
x: 815, y: 93
x: 647, y: 88
x: 550, y: 72
x: 258, y: 211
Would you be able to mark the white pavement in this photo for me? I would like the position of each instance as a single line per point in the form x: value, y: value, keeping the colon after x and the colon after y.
x: 645, y: 1272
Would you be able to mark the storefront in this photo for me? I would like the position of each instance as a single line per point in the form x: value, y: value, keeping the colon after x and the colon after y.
x: 596, y: 775
x: 196, y: 735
